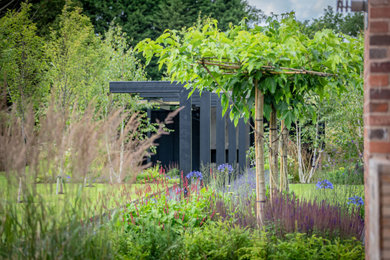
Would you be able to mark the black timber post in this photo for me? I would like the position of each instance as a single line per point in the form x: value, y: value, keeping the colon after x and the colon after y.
x: 149, y: 114
x: 185, y: 133
x: 220, y: 134
x: 205, y: 107
x: 232, y: 142
x: 243, y: 143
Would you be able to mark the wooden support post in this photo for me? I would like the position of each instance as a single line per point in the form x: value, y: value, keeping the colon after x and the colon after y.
x: 259, y: 149
x: 273, y: 152
x: 283, y: 158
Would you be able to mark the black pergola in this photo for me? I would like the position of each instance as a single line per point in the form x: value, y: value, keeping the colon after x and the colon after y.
x: 168, y: 92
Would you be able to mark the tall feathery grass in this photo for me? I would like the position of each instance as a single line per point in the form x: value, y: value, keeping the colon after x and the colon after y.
x: 66, y: 149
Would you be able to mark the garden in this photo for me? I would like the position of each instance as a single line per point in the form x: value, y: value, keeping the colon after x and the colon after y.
x: 75, y: 182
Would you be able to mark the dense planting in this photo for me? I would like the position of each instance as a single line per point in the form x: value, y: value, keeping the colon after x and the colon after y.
x: 74, y: 179
x: 196, y: 222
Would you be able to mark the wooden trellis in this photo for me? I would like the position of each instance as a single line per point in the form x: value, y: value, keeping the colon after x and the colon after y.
x: 232, y: 68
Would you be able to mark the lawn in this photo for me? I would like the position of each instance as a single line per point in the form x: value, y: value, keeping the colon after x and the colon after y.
x: 338, y: 195
x: 93, y: 200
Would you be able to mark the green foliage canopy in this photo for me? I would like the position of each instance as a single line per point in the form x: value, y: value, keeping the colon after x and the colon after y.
x: 82, y: 64
x: 149, y: 18
x: 22, y: 61
x: 278, y: 55
x: 141, y: 19
x: 351, y: 23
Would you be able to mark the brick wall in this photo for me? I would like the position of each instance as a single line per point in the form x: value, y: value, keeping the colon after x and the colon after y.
x: 377, y: 129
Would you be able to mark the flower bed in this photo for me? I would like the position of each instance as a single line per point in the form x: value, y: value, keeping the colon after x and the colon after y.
x: 194, y: 222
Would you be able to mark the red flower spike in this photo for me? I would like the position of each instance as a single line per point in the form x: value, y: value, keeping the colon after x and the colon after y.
x: 201, y: 223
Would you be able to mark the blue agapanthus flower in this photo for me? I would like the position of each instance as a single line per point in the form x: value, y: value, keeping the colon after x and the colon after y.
x: 225, y: 167
x: 325, y: 184
x: 195, y: 175
x: 358, y: 201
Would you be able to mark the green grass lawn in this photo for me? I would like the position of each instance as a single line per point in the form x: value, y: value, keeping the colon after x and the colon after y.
x: 339, y: 194
x: 88, y: 201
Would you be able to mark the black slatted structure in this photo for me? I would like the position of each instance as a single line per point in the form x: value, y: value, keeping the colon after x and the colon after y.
x: 166, y: 91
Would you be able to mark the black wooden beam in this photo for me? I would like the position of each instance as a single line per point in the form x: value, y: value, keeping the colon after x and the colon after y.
x: 220, y: 135
x: 185, y: 133
x: 162, y: 87
x: 164, y: 90
x: 205, y: 107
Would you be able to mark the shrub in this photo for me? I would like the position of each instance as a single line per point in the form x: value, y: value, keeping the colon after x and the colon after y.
x: 173, y: 173
x: 351, y: 175
x: 171, y: 209
x: 216, y: 241
x: 301, y: 246
x: 154, y: 226
x: 151, y: 242
x: 149, y: 175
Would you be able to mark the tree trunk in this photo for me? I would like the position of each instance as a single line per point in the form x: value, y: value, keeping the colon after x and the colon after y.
x: 107, y: 136
x: 273, y: 152
x: 61, y: 185
x: 259, y: 149
x: 119, y: 177
x: 315, y: 158
x: 299, y: 151
x: 20, y: 191
x: 59, y: 188
x: 283, y: 159
x: 111, y: 171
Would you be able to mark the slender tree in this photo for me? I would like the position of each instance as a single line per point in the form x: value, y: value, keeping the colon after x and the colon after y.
x: 22, y: 61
